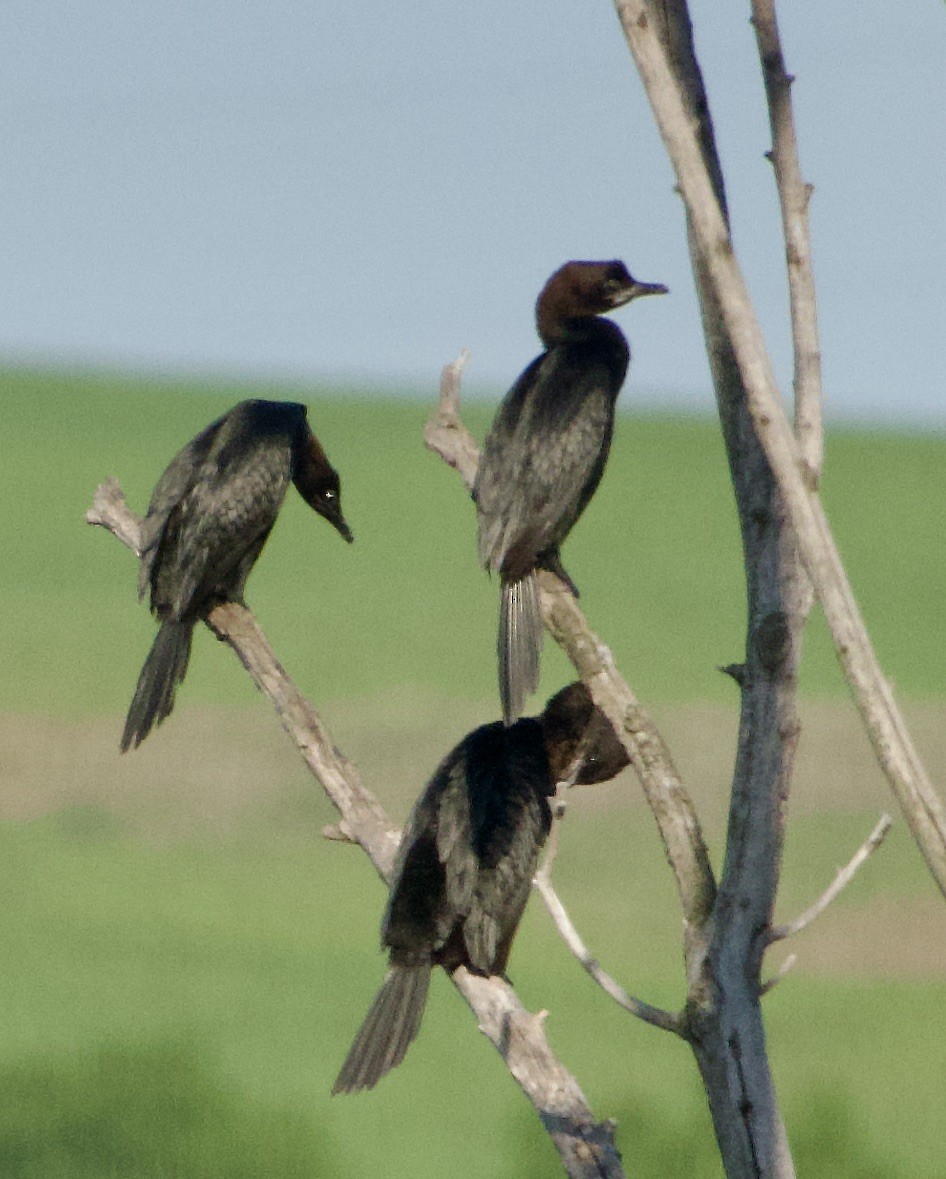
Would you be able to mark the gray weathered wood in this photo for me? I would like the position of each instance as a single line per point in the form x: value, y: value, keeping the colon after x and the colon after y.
x: 720, y: 281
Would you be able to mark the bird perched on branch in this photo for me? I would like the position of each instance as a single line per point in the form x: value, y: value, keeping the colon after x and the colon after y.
x: 207, y: 522
x: 545, y: 453
x: 466, y: 859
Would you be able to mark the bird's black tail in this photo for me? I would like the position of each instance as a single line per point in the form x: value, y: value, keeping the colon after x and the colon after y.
x: 163, y: 671
x: 520, y: 643
x: 388, y: 1029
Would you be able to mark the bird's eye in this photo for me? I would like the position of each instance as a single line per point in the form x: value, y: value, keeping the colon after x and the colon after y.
x: 329, y: 494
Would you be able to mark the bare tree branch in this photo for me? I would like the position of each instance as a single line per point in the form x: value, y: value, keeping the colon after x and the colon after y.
x: 794, y: 196
x: 843, y: 878
x: 110, y: 510
x: 892, y: 743
x: 445, y: 433
x: 586, y: 1147
x: 676, y: 817
x: 666, y: 1020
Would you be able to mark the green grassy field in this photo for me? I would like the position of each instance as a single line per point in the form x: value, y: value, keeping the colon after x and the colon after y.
x: 181, y: 1008
x: 656, y: 555
x: 185, y: 960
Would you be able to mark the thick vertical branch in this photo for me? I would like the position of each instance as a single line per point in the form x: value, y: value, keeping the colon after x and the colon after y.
x: 775, y: 478
x: 892, y: 743
x: 586, y: 1147
x: 725, y: 1014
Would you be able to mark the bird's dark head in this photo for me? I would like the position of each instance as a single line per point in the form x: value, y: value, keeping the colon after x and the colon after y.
x: 317, y: 482
x: 579, y: 290
x: 575, y: 728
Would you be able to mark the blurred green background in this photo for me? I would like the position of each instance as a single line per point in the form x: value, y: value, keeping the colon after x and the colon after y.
x: 186, y: 959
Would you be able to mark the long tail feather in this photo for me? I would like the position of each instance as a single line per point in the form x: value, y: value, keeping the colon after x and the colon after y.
x: 520, y: 644
x: 389, y: 1027
x: 164, y: 669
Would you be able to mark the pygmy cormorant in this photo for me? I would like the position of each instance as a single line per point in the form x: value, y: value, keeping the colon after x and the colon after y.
x: 466, y: 859
x: 208, y: 520
x: 545, y: 453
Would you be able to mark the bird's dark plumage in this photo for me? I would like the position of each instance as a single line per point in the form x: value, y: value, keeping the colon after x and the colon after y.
x: 208, y: 519
x: 465, y: 864
x: 545, y: 453
x: 575, y: 728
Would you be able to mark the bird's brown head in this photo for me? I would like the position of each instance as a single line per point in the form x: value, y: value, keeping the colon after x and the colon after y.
x: 317, y: 482
x: 579, y: 290
x: 576, y: 728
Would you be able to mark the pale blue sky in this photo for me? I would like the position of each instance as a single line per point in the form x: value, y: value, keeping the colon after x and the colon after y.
x: 352, y: 193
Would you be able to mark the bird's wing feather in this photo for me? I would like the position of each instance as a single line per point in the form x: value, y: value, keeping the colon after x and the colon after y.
x: 514, y: 820
x: 501, y: 895
x: 558, y: 455
x: 174, y: 485
x: 454, y: 841
x: 229, y: 485
x: 432, y: 883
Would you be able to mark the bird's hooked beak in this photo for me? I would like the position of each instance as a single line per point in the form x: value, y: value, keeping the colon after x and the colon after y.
x: 635, y: 289
x: 340, y: 524
x: 329, y: 508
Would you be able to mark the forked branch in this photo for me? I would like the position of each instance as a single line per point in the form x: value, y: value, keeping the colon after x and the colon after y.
x: 888, y: 732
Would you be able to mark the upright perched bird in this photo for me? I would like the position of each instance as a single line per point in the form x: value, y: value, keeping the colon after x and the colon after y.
x: 545, y: 453
x: 465, y: 863
x: 207, y: 522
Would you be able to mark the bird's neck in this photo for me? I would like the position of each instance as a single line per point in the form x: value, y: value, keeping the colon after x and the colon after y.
x: 309, y: 466
x: 555, y: 328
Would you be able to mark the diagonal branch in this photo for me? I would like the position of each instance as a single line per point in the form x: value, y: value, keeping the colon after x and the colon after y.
x: 656, y: 1016
x: 892, y: 743
x: 676, y: 817
x: 236, y: 626
x: 586, y: 1147
x: 843, y: 878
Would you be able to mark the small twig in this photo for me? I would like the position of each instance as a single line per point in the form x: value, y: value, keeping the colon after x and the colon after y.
x: 778, y: 975
x: 338, y: 833
x: 570, y: 935
x: 110, y: 510
x: 735, y: 671
x: 462, y: 454
x: 843, y: 878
